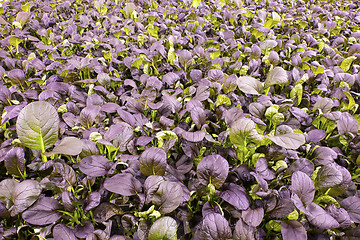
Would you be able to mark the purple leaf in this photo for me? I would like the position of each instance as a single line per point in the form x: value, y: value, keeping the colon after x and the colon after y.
x: 197, y: 136
x: 215, y: 227
x: 212, y: 169
x: 43, y: 212
x: 352, y: 206
x: 168, y: 196
x: 293, y: 230
x: 24, y: 195
x: 129, y: 184
x: 315, y: 135
x: 93, y: 200
x: 243, y: 231
x: 253, y: 217
x: 250, y: 85
x: 328, y: 177
x: 95, y: 165
x: 303, y: 187
x: 319, y: 217
x: 67, y: 146
x: 340, y: 215
x: 151, y: 185
x: 235, y: 195
x: 15, y: 161
x: 84, y: 230
x: 347, y: 124
x: 88, y: 115
x: 153, y: 161
x: 289, y: 140
x: 63, y: 232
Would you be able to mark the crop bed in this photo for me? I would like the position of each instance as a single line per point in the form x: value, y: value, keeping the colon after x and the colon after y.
x: 166, y: 119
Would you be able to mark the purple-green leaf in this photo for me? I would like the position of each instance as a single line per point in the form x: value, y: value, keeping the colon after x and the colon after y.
x: 37, y: 126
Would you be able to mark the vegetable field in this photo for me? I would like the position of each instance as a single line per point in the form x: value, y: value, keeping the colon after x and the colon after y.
x: 168, y: 119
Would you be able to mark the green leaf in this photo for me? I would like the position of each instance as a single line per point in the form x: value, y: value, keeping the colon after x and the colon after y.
x: 319, y: 69
x: 27, y: 7
x: 297, y: 92
x: 137, y: 63
x: 269, y: 24
x: 223, y: 100
x: 351, y: 100
x: 171, y: 56
x: 165, y: 135
x: 108, y: 55
x: 346, y: 63
x: 216, y: 54
x: 271, y: 111
x: 257, y: 33
x: 164, y: 228
x: 275, y: 16
x: 15, y: 41
x: 38, y: 125
x: 244, y: 131
x: 195, y: 3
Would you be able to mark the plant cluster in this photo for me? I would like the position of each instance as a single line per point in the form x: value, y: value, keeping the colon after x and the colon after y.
x: 167, y: 119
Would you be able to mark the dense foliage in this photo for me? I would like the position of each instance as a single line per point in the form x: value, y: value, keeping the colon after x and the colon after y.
x: 167, y: 119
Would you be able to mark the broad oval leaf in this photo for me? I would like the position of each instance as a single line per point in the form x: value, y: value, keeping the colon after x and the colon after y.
x: 303, y: 187
x: 315, y: 135
x: 328, y: 177
x: 289, y: 140
x: 235, y: 195
x: 325, y: 104
x: 293, y: 230
x: 15, y: 161
x: 153, y: 161
x: 352, y: 206
x: 37, y: 125
x: 151, y: 185
x: 124, y: 184
x: 164, y: 228
x: 257, y: 109
x: 243, y: 231
x: 24, y: 195
x: 324, y: 156
x: 43, y: 212
x: 63, y: 232
x: 168, y: 196
x: 95, y: 165
x: 347, y: 124
x: 68, y: 146
x: 215, y: 227
x: 88, y: 115
x: 276, y: 76
x: 253, y: 217
x: 250, y: 85
x: 213, y: 169
x: 319, y: 217
x: 16, y: 75
x: 197, y: 136
x: 7, y: 187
